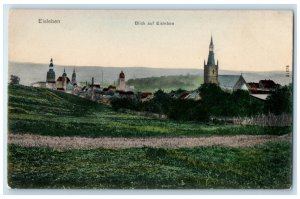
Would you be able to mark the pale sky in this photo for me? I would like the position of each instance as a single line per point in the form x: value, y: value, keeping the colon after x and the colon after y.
x: 244, y: 40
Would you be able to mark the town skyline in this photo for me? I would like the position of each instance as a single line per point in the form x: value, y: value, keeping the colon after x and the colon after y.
x: 244, y: 40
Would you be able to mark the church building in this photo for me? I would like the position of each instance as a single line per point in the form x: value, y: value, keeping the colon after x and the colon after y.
x: 228, y: 83
x: 63, y: 82
x: 210, y: 68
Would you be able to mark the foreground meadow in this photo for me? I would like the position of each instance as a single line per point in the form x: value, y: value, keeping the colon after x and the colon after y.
x: 262, y: 166
x: 42, y: 112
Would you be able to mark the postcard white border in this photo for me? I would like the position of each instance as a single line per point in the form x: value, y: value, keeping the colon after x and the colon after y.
x: 6, y: 8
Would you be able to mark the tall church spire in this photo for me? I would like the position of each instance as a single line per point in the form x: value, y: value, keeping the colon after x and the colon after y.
x: 211, y: 45
x: 211, y: 57
x: 211, y: 68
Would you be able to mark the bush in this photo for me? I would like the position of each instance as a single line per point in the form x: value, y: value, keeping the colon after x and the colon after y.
x: 127, y: 103
x: 280, y: 101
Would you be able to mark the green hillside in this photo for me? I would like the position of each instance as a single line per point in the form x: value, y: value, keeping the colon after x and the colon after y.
x: 166, y: 83
x: 47, y: 112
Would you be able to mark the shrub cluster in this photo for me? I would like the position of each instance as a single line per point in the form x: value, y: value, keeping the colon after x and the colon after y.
x: 214, y: 102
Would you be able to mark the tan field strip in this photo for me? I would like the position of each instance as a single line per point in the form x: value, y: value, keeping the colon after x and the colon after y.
x: 30, y: 140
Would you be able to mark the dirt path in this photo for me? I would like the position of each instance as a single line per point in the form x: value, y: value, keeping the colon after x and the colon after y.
x: 30, y: 140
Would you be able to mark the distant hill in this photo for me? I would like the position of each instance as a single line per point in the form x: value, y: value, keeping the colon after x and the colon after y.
x: 166, y: 83
x: 32, y: 72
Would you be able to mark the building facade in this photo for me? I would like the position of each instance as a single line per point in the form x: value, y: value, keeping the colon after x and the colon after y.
x: 62, y: 82
x: 231, y: 83
x: 211, y: 69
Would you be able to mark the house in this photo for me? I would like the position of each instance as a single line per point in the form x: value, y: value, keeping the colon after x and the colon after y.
x: 262, y: 89
x: 183, y: 95
x: 62, y: 83
x: 125, y: 94
x: 145, y: 96
x: 268, y: 85
x: 195, y: 95
x: 230, y: 83
x: 254, y: 88
x: 260, y: 96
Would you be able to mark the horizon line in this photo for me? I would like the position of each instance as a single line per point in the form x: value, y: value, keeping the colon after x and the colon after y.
x: 196, y: 68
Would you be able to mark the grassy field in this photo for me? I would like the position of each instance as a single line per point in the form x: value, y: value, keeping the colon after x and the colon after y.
x: 46, y: 112
x: 263, y: 166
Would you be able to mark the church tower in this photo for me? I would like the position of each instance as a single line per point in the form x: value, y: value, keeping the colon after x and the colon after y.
x: 122, y: 85
x: 74, y: 77
x: 211, y: 69
x: 51, y: 73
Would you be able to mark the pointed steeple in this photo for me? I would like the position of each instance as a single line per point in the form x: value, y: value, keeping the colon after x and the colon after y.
x: 74, y: 76
x: 211, y: 45
x: 211, y: 57
x: 51, y: 62
x: 211, y: 68
x: 64, y: 74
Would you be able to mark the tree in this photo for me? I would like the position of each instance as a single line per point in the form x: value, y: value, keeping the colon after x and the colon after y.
x: 161, y: 102
x: 14, y: 79
x: 200, y: 113
x: 280, y: 101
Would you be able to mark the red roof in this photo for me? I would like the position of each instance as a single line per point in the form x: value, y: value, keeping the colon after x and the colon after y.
x: 144, y: 95
x: 253, y: 85
x: 183, y: 95
x: 267, y: 83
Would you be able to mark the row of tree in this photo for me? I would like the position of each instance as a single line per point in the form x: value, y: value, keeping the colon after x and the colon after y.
x: 214, y: 103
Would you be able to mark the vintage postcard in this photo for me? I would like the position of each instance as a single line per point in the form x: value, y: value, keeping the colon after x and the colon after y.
x: 150, y: 99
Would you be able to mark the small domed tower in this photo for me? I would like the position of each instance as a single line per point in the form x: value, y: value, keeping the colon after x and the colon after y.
x: 211, y: 69
x: 122, y: 84
x: 51, y: 73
